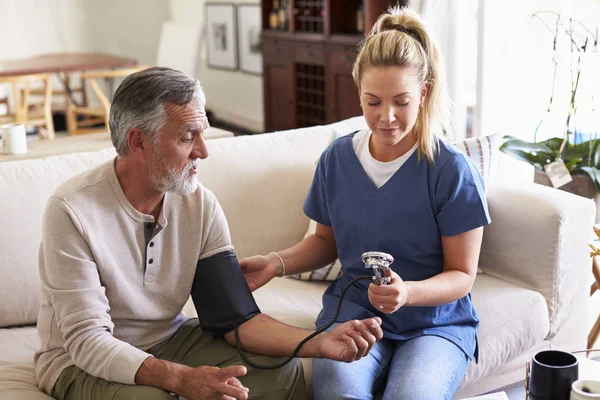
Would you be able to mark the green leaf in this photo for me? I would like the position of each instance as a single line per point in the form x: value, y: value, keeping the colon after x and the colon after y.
x: 518, y: 144
x: 596, y: 157
x: 573, y: 164
x: 553, y: 143
x: 536, y: 154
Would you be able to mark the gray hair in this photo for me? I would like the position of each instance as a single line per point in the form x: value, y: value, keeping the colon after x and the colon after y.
x: 140, y: 98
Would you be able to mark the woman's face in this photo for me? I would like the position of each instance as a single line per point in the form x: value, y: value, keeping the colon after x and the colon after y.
x: 390, y: 98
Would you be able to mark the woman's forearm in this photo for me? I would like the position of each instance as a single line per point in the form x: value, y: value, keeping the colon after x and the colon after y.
x: 311, y: 253
x: 443, y: 288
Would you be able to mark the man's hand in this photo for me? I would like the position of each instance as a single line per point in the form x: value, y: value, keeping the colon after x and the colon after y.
x: 208, y: 383
x: 351, y: 340
x: 259, y: 270
x: 389, y: 298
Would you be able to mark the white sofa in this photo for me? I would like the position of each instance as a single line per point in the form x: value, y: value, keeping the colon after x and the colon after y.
x: 532, y: 293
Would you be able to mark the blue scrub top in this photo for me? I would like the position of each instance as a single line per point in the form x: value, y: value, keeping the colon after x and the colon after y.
x: 406, y: 218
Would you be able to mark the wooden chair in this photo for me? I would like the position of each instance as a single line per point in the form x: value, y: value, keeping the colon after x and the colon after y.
x: 26, y: 112
x: 62, y: 93
x: 85, y: 119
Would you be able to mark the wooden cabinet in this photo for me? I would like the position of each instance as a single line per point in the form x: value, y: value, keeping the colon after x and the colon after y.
x: 308, y: 57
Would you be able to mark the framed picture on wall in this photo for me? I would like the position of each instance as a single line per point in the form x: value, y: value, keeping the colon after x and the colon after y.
x: 248, y: 30
x: 221, y: 35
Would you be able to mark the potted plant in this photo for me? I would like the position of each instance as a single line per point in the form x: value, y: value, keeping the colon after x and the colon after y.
x: 581, y: 156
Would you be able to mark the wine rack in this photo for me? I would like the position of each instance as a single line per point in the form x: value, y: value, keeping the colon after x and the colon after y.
x: 310, y: 95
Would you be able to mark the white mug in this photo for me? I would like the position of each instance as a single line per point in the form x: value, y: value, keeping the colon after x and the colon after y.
x: 585, y: 390
x: 14, y: 139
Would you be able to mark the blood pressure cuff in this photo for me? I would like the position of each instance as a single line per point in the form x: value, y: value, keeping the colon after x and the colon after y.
x: 221, y: 295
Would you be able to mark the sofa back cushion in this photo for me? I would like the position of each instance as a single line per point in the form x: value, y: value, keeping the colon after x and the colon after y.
x: 24, y: 189
x: 261, y: 182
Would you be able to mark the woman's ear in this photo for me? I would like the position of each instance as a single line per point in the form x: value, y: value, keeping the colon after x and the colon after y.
x: 424, y: 91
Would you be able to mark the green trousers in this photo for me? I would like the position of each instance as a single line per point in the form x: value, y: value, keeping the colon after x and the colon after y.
x: 190, y: 348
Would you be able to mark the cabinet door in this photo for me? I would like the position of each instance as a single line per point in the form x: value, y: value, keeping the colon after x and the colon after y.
x: 278, y: 85
x: 343, y: 101
x: 346, y: 101
x: 279, y: 97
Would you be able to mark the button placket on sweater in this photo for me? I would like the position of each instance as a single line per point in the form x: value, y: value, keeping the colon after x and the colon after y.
x: 151, y: 252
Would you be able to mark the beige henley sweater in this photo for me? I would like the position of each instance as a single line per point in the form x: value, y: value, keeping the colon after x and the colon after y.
x: 108, y: 294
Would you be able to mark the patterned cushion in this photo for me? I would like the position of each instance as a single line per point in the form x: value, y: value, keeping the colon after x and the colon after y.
x: 482, y: 150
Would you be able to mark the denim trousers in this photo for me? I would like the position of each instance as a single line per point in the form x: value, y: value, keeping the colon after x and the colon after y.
x: 423, y: 368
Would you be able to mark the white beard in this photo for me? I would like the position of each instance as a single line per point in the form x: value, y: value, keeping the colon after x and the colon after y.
x: 166, y: 179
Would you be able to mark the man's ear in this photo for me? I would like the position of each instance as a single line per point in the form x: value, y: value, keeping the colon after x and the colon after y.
x: 136, y: 140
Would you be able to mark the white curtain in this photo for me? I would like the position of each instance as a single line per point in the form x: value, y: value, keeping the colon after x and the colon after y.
x: 449, y: 22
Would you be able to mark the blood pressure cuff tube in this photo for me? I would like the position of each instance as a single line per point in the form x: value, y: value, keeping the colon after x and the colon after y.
x: 221, y: 295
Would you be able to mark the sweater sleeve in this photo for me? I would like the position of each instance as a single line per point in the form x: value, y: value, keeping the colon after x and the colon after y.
x: 70, y: 276
x: 215, y: 233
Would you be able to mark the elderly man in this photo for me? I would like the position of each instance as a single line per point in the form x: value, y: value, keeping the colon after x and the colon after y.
x: 125, y: 244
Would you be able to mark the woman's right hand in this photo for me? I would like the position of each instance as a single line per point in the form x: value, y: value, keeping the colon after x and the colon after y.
x: 259, y: 270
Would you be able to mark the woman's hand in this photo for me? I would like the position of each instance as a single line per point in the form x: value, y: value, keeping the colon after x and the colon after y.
x: 259, y: 270
x: 389, y: 298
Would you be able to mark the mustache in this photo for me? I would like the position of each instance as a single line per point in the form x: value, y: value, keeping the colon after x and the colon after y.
x: 194, y: 164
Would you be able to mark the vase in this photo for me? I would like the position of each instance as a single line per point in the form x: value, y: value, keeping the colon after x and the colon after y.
x: 581, y: 185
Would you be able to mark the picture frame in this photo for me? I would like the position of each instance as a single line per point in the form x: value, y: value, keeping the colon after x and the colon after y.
x: 221, y: 36
x: 248, y: 31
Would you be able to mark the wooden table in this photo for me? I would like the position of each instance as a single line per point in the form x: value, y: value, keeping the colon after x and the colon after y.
x: 63, y: 62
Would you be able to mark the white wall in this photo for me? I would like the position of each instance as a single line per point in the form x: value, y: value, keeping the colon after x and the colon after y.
x: 29, y: 27
x: 126, y: 28
x: 233, y: 96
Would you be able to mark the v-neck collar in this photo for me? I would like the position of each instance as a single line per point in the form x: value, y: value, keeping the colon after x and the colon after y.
x: 388, y: 187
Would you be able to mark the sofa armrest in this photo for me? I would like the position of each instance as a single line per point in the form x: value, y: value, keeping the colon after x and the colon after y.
x: 538, y: 239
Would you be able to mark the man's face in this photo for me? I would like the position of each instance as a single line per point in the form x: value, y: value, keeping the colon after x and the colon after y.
x: 175, y: 157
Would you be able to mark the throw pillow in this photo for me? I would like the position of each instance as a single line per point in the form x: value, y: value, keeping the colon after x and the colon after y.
x: 482, y: 150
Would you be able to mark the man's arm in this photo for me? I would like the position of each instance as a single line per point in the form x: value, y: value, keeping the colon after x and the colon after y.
x: 224, y: 302
x: 347, y: 342
x: 192, y: 383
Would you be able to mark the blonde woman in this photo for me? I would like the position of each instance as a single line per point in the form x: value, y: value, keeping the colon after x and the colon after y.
x: 398, y: 188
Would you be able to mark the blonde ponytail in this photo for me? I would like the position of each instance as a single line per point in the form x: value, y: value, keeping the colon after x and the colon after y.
x: 400, y: 38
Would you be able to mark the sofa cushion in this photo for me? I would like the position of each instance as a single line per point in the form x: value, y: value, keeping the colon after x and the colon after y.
x: 18, y: 382
x: 513, y: 319
x: 17, y: 345
x: 504, y: 333
x: 267, y: 178
x: 484, y: 153
x: 25, y: 186
x: 17, y: 377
